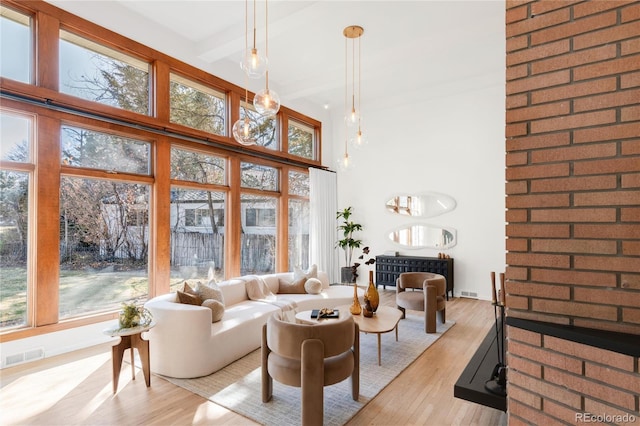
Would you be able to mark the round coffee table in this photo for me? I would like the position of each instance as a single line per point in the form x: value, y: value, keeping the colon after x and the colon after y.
x: 384, y: 320
x: 305, y: 316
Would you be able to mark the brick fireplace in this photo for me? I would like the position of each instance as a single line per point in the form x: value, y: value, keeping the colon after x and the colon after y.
x: 573, y: 211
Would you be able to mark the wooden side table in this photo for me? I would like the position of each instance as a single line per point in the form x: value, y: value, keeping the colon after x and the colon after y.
x: 130, y: 338
x: 384, y: 320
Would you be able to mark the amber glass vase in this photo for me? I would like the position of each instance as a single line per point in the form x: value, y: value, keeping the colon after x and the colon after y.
x: 355, y: 308
x: 372, y: 293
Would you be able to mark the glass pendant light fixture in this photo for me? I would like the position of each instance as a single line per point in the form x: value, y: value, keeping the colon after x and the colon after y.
x: 253, y: 64
x: 244, y: 132
x: 266, y: 101
x: 359, y: 140
x: 345, y: 162
x: 352, y: 32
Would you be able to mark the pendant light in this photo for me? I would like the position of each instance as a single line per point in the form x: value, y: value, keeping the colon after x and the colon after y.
x: 352, y: 115
x: 243, y: 130
x: 266, y: 101
x: 360, y: 139
x: 253, y: 64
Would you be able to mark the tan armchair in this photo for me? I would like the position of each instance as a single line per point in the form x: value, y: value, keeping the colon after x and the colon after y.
x: 310, y: 357
x: 427, y: 292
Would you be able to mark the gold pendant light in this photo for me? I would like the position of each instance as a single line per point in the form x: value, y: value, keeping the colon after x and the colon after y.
x: 266, y: 101
x: 360, y: 139
x: 253, y: 64
x: 244, y: 130
x: 353, y: 33
x: 352, y: 115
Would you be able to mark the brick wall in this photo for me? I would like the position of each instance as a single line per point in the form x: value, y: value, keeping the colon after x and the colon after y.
x: 573, y: 204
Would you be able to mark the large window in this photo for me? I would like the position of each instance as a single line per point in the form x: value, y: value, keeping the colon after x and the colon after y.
x: 14, y: 242
x: 101, y: 151
x: 94, y: 72
x: 104, y: 245
x: 104, y: 224
x: 16, y: 138
x: 197, y: 106
x: 298, y: 244
x: 301, y: 140
x: 258, y: 176
x: 16, y: 133
x: 197, y: 234
x: 194, y: 166
x: 197, y: 215
x: 259, y: 218
x: 258, y: 239
x: 15, y: 45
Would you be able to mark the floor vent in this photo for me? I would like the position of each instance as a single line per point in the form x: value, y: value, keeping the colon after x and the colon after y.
x: 34, y: 354
x: 27, y: 356
x: 471, y: 294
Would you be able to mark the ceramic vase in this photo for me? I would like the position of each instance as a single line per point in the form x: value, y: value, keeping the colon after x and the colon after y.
x: 355, y: 307
x: 372, y: 293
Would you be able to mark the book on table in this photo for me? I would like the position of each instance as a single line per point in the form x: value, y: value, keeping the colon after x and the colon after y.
x: 317, y: 312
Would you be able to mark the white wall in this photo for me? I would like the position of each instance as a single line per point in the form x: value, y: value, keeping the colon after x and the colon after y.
x: 453, y: 145
x: 56, y: 343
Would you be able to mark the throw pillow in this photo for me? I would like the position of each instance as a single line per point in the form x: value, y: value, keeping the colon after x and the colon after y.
x: 293, y: 287
x: 210, y: 291
x: 300, y: 277
x: 217, y: 309
x: 313, y: 286
x: 186, y: 288
x: 188, y: 298
x: 312, y: 272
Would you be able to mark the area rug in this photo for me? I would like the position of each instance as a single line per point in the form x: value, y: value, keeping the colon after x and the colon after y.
x: 237, y: 386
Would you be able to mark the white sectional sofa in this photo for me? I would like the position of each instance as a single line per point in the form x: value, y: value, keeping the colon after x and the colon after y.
x: 185, y: 343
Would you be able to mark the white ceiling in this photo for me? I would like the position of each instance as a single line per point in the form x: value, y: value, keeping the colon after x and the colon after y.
x: 411, y: 50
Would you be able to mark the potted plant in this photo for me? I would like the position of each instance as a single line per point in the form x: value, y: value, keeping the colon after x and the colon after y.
x: 348, y: 243
x: 132, y: 315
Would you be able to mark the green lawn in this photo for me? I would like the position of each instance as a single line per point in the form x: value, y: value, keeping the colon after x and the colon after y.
x: 81, y: 292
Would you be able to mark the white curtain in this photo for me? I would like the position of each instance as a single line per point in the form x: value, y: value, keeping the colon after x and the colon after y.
x: 322, y: 218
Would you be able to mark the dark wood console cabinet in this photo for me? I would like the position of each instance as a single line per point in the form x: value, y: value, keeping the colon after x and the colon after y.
x: 388, y: 268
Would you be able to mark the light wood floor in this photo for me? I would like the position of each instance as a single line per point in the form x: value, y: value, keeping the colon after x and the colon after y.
x: 76, y: 389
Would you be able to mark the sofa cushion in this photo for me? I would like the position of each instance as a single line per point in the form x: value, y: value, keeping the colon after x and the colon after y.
x: 188, y: 298
x: 300, y: 277
x: 217, y: 309
x: 210, y: 291
x: 312, y: 272
x: 313, y: 286
x: 233, y: 291
x: 292, y: 287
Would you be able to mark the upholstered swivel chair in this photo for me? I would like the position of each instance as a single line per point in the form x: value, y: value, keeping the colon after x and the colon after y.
x: 427, y: 292
x: 310, y: 357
